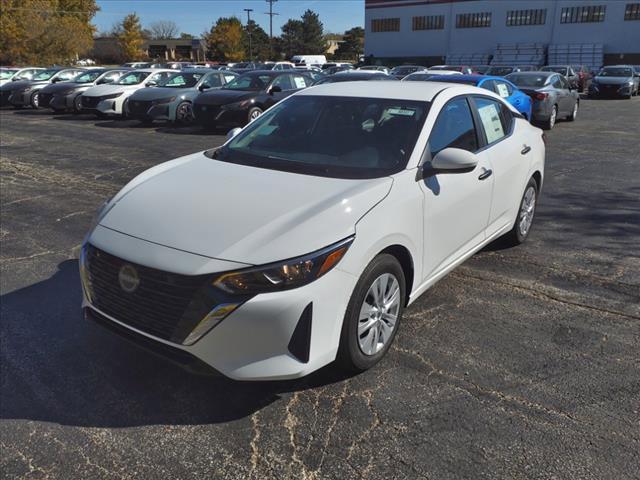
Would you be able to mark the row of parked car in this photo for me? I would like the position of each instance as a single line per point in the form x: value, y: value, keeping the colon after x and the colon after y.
x: 231, y: 98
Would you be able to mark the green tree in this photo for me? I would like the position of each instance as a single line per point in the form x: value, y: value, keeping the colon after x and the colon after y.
x: 313, y: 42
x: 352, y: 45
x: 259, y: 41
x: 45, y: 31
x: 186, y: 36
x: 131, y: 38
x: 225, y: 40
x: 291, y: 42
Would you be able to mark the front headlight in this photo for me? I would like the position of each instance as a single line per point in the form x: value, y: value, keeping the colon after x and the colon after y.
x: 239, y: 105
x: 27, y: 89
x: 284, y: 275
x: 165, y: 100
x: 113, y: 95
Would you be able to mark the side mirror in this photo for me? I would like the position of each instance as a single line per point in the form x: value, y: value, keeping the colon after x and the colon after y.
x: 274, y: 89
x: 449, y: 160
x: 55, y: 80
x: 203, y: 87
x: 232, y: 133
x: 151, y: 83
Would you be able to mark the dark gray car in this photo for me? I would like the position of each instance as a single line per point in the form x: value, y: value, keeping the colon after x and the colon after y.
x: 615, y: 81
x: 553, y: 96
x: 27, y: 92
x: 65, y: 96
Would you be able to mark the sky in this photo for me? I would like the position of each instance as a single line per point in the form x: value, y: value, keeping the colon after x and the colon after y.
x: 197, y: 16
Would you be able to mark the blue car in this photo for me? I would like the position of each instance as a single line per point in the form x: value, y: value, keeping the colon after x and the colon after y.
x: 507, y: 90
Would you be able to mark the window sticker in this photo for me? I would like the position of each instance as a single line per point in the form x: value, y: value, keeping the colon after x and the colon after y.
x: 503, y: 91
x: 405, y: 112
x: 490, y: 118
x: 299, y: 81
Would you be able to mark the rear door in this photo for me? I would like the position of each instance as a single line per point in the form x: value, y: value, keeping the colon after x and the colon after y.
x: 507, y: 156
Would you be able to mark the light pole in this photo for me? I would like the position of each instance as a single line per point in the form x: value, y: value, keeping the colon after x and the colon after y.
x: 249, y: 10
x: 271, y: 14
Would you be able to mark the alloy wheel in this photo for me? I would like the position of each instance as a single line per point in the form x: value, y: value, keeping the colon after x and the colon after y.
x: 379, y: 314
x: 255, y: 114
x: 527, y: 210
x: 575, y: 111
x: 552, y: 118
x: 184, y: 114
x: 35, y: 100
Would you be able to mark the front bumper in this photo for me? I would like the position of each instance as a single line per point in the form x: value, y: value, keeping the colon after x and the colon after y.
x: 110, y: 106
x: 61, y: 102
x: 261, y: 339
x: 604, y: 90
x: 20, y: 98
x: 149, y: 111
x: 219, y: 115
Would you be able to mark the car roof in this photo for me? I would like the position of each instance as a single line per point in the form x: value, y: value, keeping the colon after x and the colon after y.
x: 419, y: 91
x: 155, y: 70
x: 535, y: 73
x: 195, y: 70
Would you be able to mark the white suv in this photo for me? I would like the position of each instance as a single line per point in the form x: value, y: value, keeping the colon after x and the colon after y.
x: 303, y: 238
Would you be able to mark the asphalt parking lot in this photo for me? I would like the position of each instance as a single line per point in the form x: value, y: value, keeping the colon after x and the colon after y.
x: 522, y: 363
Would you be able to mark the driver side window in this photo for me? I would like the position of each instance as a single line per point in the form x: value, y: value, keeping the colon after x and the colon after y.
x: 284, y: 82
x: 454, y: 128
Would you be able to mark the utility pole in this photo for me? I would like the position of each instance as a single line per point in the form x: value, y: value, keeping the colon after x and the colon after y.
x: 249, y: 10
x: 271, y: 13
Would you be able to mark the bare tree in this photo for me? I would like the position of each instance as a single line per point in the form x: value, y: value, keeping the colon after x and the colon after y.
x: 163, y: 29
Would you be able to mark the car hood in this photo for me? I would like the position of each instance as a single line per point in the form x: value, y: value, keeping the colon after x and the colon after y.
x: 240, y: 213
x: 156, y: 93
x: 224, y: 97
x: 100, y: 90
x: 613, y: 80
x: 11, y: 86
x: 63, y: 87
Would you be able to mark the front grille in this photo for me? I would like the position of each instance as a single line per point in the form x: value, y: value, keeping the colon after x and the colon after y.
x: 139, y: 107
x: 165, y: 305
x: 44, y: 99
x: 90, y: 102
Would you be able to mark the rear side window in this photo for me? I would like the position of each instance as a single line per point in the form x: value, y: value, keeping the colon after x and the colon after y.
x: 503, y: 89
x: 284, y: 82
x: 212, y: 81
x: 454, y: 128
x: 556, y: 82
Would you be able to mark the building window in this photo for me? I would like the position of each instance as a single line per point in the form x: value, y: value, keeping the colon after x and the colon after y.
x: 632, y: 11
x: 473, y: 20
x: 385, y: 25
x: 587, y: 14
x: 432, y: 22
x: 516, y: 18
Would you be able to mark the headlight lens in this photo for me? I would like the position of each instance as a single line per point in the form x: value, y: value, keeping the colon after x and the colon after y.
x: 27, y: 89
x: 284, y: 275
x: 237, y: 105
x: 113, y: 95
x: 165, y: 100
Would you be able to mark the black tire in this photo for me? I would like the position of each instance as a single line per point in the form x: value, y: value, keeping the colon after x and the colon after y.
x: 34, y: 100
x: 350, y: 356
x: 189, y: 118
x: 551, y: 121
x: 77, y: 104
x: 574, y: 113
x: 253, y: 113
x: 516, y: 236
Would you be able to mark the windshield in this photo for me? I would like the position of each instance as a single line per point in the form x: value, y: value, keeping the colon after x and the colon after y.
x: 7, y: 73
x: 499, y: 71
x: 249, y: 82
x: 45, y: 75
x: 182, y: 80
x: 132, y: 78
x: 560, y: 70
x: 615, y: 72
x: 527, y: 80
x: 88, y: 77
x: 404, y: 70
x: 340, y: 137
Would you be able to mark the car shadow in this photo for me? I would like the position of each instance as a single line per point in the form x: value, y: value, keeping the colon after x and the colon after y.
x: 190, y: 130
x: 122, y: 123
x: 58, y: 367
x: 30, y: 111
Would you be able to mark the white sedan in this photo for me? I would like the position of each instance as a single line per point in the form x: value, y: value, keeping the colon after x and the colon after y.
x: 304, y: 237
x: 110, y: 99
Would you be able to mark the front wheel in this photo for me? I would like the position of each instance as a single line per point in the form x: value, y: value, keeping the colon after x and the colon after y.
x: 526, y: 212
x: 373, y: 314
x: 77, y: 104
x: 184, y: 113
x: 253, y: 113
x: 574, y: 113
x: 551, y: 121
x: 35, y: 100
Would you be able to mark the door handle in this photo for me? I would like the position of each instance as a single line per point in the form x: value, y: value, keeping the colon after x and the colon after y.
x: 486, y: 174
x: 525, y: 150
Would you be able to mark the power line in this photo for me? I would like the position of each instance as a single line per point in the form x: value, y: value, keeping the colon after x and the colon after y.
x: 249, y: 10
x: 271, y: 14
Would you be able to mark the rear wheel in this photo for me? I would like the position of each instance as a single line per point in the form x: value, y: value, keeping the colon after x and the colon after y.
x: 526, y: 212
x: 373, y: 314
x: 551, y: 121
